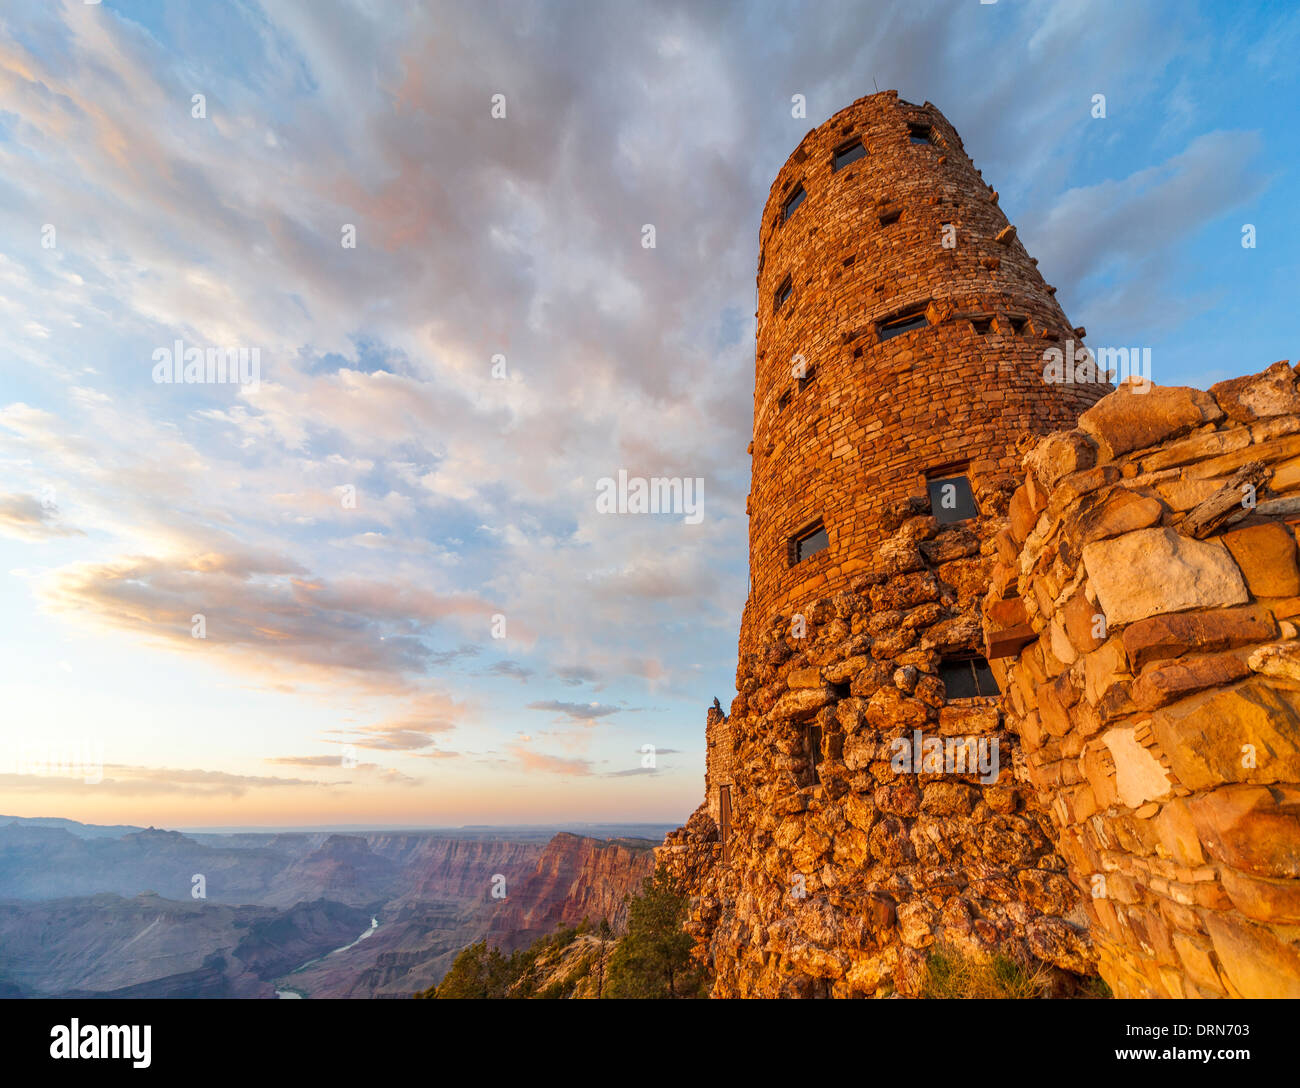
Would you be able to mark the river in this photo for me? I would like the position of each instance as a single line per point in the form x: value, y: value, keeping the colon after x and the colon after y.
x: 291, y: 993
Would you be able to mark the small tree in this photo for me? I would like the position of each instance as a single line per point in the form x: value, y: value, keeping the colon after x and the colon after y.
x: 654, y: 959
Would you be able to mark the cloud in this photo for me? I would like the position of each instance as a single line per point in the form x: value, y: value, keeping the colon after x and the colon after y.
x: 328, y: 762
x: 131, y: 781
x: 264, y: 614
x: 24, y: 517
x: 576, y: 675
x: 579, y: 712
x: 510, y: 669
x: 546, y: 764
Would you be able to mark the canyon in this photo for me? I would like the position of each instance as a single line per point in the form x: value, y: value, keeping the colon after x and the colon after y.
x: 93, y: 911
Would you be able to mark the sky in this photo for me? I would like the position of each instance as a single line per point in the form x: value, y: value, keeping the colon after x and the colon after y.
x: 412, y: 611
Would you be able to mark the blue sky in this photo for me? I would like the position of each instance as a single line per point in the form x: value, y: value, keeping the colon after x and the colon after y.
x: 365, y: 629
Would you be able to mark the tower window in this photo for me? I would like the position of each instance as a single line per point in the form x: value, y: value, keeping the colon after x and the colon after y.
x: 896, y: 326
x: 951, y: 498
x: 967, y: 678
x: 982, y: 325
x: 813, y: 740
x: 846, y: 154
x: 920, y: 134
x: 782, y: 293
x: 1018, y: 324
x: 808, y: 542
x: 792, y: 202
x: 808, y: 375
x: 783, y: 402
x: 889, y: 217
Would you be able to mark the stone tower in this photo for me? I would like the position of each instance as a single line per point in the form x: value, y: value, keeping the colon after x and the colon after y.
x: 997, y: 694
x: 901, y: 331
x: 901, y: 334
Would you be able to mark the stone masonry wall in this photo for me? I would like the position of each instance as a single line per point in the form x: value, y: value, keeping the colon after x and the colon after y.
x: 847, y: 422
x: 843, y: 877
x: 1143, y: 619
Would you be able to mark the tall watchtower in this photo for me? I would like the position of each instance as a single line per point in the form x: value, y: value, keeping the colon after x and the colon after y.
x: 901, y: 331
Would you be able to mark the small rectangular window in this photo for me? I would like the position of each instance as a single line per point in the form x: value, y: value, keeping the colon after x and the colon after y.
x: 920, y: 134
x: 982, y: 325
x: 847, y: 154
x: 951, y: 499
x: 808, y: 375
x: 967, y: 678
x: 896, y: 326
x: 1018, y: 324
x: 889, y: 217
x: 782, y: 293
x: 783, y: 402
x: 809, y: 542
x: 793, y: 201
x: 814, y: 742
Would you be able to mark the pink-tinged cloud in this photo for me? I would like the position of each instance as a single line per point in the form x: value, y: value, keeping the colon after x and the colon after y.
x: 547, y: 764
x: 266, y: 616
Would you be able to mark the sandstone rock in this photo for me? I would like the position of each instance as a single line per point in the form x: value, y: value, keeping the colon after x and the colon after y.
x: 841, y: 671
x: 1162, y: 682
x: 1125, y: 421
x: 803, y: 703
x: 1060, y: 454
x: 1280, y: 659
x: 1266, y: 554
x: 915, y: 924
x: 948, y: 799
x: 1120, y: 511
x: 1197, y: 448
x: 958, y: 543
x: 1139, y: 776
x: 1171, y: 635
x: 1154, y: 571
x: 1255, y: 961
x: 1272, y: 393
x: 1055, y: 941
x: 905, y: 592
x: 859, y: 751
x: 1275, y: 901
x: 1252, y: 828
x: 1246, y: 733
x: 803, y: 678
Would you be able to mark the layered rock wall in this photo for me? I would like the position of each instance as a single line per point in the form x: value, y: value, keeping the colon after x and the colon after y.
x: 1143, y: 621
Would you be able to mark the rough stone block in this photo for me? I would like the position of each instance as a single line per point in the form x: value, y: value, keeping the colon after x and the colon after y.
x: 1154, y: 571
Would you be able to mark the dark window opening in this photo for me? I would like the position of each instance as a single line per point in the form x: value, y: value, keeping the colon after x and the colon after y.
x: 982, y: 325
x: 920, y: 134
x: 808, y: 375
x: 783, y: 402
x: 795, y: 199
x: 813, y: 740
x: 967, y: 678
x: 1018, y: 325
x: 847, y: 154
x: 808, y: 543
x: 782, y: 293
x: 896, y: 326
x: 848, y: 261
x: 886, y: 218
x: 724, y: 822
x: 951, y: 499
